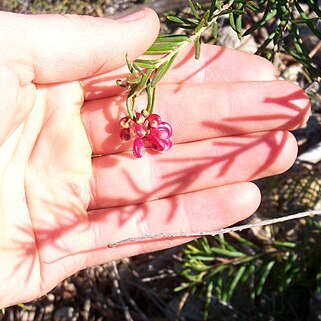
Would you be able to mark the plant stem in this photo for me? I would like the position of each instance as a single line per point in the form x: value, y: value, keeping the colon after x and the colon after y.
x: 191, y: 39
x: 214, y: 233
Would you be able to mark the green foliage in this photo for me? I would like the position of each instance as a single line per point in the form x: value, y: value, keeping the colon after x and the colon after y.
x: 283, y: 17
x: 146, y: 73
x: 224, y: 267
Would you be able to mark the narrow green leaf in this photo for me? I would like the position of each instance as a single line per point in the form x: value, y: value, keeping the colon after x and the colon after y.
x: 218, y: 4
x: 206, y: 17
x: 129, y: 107
x: 247, y: 242
x: 215, y: 30
x: 228, y: 253
x: 200, y: 26
x: 193, y: 249
x: 209, y: 293
x: 298, y: 43
x: 285, y: 244
x: 142, y: 84
x: 198, y: 47
x: 200, y: 267
x: 206, y: 246
x: 225, y: 288
x: 314, y: 72
x: 299, y: 21
x: 252, y: 269
x: 182, y: 21
x: 143, y: 63
x: 265, y: 44
x: 225, y: 244
x: 182, y: 286
x: 175, y: 19
x: 157, y: 52
x: 265, y: 273
x: 251, y: 5
x: 149, y: 92
x: 200, y: 6
x: 162, y: 70
x: 239, y: 26
x: 224, y: 12
x: 308, y: 23
x: 218, y: 269
x: 232, y: 21
x: 194, y: 11
x: 235, y: 281
x: 261, y: 22
x: 204, y: 258
x: 162, y: 47
x: 167, y: 38
x: 152, y: 107
x: 130, y: 66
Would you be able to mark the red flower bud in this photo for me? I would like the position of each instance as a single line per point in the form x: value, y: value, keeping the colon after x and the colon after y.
x: 125, y: 134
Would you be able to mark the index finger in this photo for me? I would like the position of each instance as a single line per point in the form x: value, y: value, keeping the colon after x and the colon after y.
x: 216, y: 64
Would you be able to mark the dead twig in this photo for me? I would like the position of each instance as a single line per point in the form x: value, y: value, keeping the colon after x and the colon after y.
x: 214, y: 233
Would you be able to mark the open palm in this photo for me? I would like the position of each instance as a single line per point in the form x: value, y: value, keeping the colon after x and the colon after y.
x: 60, y: 206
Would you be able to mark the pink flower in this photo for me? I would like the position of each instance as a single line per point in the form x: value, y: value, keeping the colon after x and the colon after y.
x: 148, y: 130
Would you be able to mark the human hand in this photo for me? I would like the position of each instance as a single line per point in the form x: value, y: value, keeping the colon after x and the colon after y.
x: 60, y: 207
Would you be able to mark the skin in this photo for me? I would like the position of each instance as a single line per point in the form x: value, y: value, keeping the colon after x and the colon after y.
x: 60, y: 207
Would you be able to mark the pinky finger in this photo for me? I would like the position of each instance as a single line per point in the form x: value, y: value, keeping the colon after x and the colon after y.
x: 205, y: 210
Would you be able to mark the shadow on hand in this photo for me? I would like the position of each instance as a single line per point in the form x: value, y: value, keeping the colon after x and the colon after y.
x: 174, y: 182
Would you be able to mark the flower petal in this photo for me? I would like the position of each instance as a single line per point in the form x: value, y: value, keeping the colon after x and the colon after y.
x: 155, y: 143
x: 138, y: 147
x: 140, y: 131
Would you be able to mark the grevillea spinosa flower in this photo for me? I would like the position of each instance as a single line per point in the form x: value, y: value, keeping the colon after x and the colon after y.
x: 148, y: 131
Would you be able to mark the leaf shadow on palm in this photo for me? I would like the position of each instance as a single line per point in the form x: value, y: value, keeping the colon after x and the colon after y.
x: 174, y: 183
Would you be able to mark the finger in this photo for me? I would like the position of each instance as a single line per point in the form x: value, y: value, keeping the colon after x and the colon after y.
x: 190, y: 167
x: 204, y: 111
x: 205, y: 210
x: 216, y: 64
x: 70, y: 47
x: 219, y: 64
x: 13, y: 96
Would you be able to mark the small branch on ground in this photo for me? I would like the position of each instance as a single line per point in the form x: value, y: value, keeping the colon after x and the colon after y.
x: 214, y: 233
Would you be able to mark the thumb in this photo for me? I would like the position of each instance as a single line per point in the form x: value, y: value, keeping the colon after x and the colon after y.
x: 71, y: 47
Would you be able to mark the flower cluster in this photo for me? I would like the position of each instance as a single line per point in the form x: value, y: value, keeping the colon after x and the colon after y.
x: 148, y: 131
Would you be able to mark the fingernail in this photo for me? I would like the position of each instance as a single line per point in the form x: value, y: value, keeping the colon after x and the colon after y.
x: 133, y: 16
